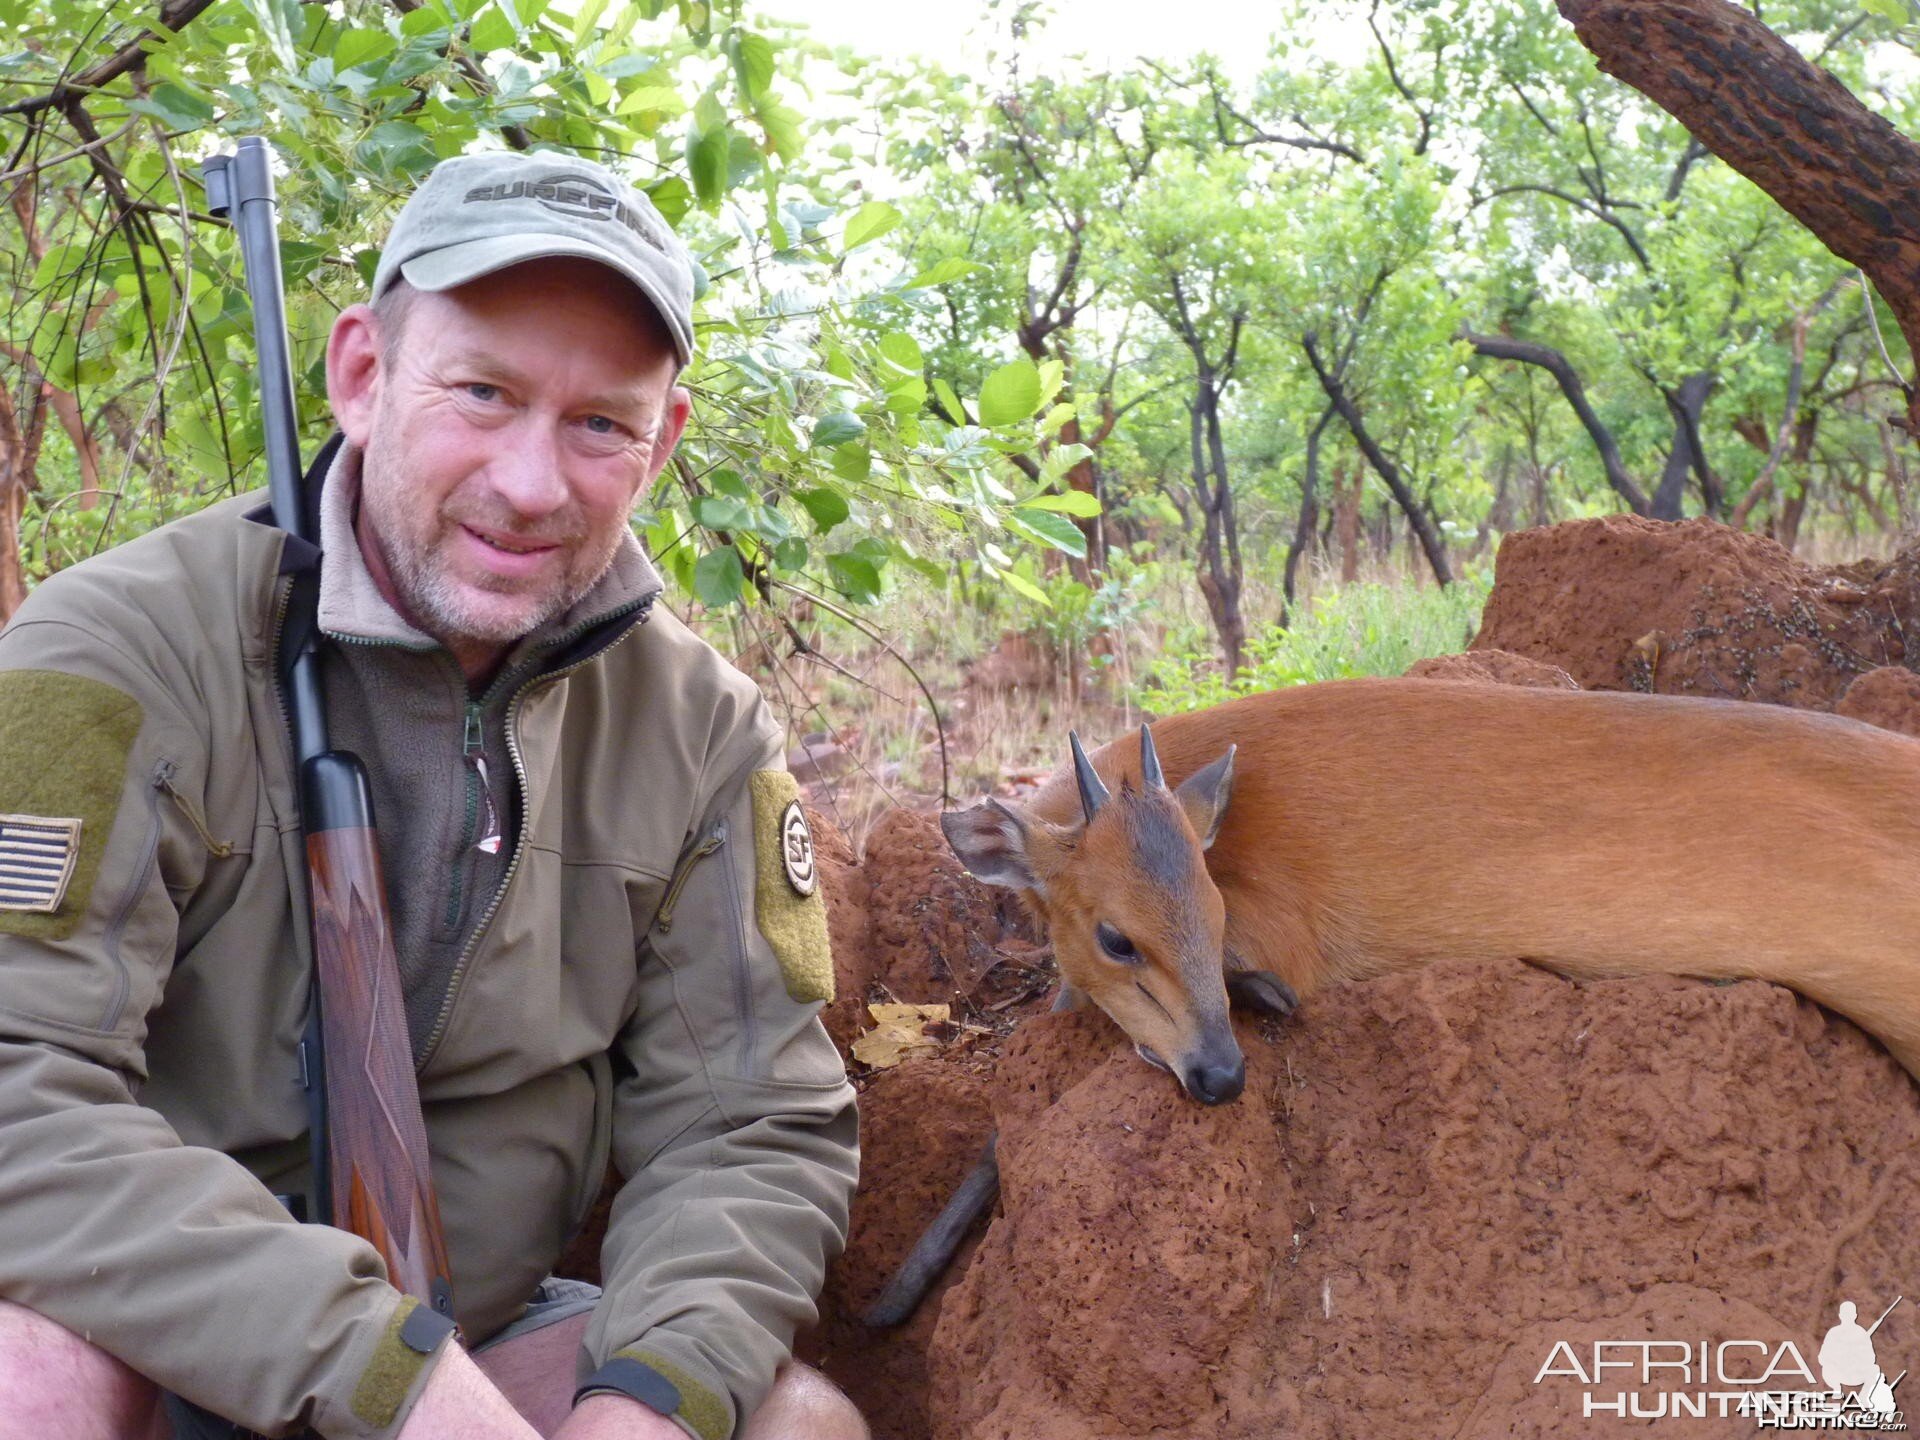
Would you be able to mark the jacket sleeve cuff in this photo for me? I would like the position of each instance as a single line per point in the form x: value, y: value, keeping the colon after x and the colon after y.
x: 391, y: 1374
x: 678, y: 1385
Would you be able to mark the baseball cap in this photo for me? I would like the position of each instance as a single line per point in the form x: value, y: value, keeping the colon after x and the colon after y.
x: 475, y: 214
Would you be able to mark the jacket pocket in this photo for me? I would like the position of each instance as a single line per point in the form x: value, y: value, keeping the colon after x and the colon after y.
x: 718, y: 903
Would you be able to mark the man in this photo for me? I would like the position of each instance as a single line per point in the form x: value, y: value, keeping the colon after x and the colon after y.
x: 602, y: 952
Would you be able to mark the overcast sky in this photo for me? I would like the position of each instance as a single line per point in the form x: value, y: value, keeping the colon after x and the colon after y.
x: 958, y: 32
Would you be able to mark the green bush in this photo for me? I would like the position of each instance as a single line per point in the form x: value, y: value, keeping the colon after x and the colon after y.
x: 1359, y: 630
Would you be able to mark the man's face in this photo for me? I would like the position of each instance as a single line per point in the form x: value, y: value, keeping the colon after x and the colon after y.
x: 506, y: 436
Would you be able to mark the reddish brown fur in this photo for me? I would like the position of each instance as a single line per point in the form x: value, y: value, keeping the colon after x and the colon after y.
x: 1378, y: 824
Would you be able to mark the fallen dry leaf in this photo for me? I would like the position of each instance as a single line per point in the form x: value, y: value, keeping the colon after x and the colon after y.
x: 899, y: 1031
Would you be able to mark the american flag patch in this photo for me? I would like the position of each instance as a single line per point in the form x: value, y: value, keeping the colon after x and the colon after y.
x: 37, y: 856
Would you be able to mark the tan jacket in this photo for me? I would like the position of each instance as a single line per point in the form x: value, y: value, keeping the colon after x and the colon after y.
x: 149, y: 1024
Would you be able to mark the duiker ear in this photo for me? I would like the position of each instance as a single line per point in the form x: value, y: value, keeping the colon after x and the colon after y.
x: 1204, y: 795
x: 991, y: 840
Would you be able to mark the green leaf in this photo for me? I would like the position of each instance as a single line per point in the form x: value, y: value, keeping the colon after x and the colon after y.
x: 585, y: 19
x: 358, y: 46
x: 1050, y: 529
x: 853, y: 462
x: 902, y: 351
x: 791, y: 555
x: 174, y: 107
x: 717, y: 577
x: 1067, y: 502
x: 424, y: 21
x: 870, y: 222
x: 279, y: 21
x: 855, y: 575
x: 720, y: 512
x: 838, y: 428
x: 950, y: 402
x: 492, y: 31
x: 951, y: 268
x: 906, y: 396
x: 395, y: 148
x: 707, y: 162
x: 1011, y: 394
x: 663, y: 98
x: 827, y: 507
x: 673, y: 200
x: 752, y: 57
x: 1026, y: 587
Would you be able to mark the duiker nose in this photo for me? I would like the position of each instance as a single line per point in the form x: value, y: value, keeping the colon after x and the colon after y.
x: 1215, y: 1084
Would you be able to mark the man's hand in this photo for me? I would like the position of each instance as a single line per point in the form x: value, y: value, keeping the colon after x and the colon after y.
x: 460, y: 1403
x: 616, y: 1417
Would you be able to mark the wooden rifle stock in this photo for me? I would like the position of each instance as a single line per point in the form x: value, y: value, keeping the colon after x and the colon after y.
x: 370, y: 1161
x: 381, y: 1183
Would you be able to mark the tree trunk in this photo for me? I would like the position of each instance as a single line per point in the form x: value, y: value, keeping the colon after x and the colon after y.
x: 1684, y: 405
x: 15, y: 476
x: 1220, y: 572
x: 1347, y: 485
x: 1781, y: 121
x: 1309, y: 510
x: 1384, y: 467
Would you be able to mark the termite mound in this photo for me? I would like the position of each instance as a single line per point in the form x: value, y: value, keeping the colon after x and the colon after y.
x: 1695, y: 608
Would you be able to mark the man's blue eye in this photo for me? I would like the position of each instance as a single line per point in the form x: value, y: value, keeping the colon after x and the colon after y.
x: 482, y: 391
x: 601, y: 425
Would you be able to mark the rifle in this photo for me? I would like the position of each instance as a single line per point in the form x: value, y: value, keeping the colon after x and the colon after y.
x: 370, y: 1170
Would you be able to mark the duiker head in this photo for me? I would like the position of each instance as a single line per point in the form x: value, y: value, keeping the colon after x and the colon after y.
x: 1137, y: 924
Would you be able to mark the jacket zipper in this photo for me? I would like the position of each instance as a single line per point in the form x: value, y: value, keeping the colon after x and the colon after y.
x: 473, y: 758
x: 160, y: 780
x: 742, y: 980
x: 520, y: 780
x: 663, y: 921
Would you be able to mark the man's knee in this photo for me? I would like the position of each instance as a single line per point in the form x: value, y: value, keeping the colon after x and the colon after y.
x: 805, y: 1405
x: 55, y: 1385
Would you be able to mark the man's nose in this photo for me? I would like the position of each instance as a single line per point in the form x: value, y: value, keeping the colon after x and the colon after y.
x: 525, y: 470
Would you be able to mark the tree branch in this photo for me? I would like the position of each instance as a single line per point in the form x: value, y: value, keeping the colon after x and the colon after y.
x: 1788, y: 126
x: 1383, y: 466
x: 1505, y: 347
x: 174, y: 15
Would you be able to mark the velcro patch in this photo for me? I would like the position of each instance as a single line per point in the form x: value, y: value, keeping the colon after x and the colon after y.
x: 791, y: 907
x: 64, y: 743
x: 37, y: 854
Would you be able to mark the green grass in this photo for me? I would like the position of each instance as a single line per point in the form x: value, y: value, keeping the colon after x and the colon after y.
x: 1360, y: 629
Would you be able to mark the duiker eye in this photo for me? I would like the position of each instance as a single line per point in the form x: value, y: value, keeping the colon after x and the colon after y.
x: 1117, y: 946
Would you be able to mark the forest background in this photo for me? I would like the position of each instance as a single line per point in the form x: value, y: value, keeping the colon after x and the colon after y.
x: 1032, y: 393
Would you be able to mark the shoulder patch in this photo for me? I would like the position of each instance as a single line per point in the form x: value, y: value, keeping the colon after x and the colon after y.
x: 64, y: 742
x: 787, y: 897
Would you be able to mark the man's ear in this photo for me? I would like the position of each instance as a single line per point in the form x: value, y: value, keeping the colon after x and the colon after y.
x: 1204, y: 795
x: 994, y: 842
x: 353, y: 371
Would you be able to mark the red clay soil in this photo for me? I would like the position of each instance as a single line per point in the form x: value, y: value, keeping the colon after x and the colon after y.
x: 1494, y: 667
x: 1888, y: 697
x: 1695, y: 608
x: 1430, y: 1180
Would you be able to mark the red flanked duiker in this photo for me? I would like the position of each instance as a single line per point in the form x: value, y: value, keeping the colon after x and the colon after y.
x: 1147, y: 949
x: 1353, y: 829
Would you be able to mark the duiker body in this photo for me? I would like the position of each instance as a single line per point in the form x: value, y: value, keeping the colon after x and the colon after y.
x: 1347, y: 830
